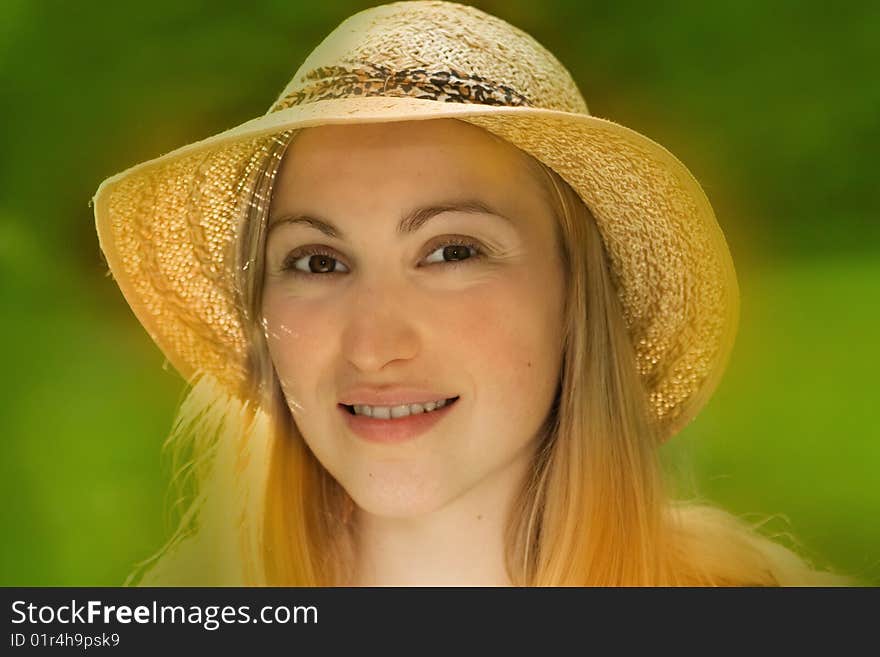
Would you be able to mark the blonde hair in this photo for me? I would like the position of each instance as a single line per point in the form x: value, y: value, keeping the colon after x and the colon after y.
x: 259, y: 509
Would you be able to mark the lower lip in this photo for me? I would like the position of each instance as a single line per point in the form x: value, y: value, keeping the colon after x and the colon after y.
x: 395, y: 430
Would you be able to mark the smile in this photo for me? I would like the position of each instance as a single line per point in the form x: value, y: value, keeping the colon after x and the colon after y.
x: 394, y: 424
x: 394, y: 412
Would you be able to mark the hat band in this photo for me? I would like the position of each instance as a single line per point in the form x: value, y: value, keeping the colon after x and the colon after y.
x: 375, y: 80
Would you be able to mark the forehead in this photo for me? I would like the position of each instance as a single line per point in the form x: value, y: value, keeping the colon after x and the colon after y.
x: 363, y: 163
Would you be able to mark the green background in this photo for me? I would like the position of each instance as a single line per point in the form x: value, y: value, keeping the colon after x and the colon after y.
x: 773, y: 106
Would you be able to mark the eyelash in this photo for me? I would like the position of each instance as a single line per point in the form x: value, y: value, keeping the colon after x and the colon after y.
x: 288, y: 264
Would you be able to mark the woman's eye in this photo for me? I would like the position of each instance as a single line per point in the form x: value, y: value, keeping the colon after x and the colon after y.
x: 308, y: 262
x: 315, y: 261
x: 453, y: 252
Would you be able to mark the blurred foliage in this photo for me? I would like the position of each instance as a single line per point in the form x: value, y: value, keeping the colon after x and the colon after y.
x: 773, y: 106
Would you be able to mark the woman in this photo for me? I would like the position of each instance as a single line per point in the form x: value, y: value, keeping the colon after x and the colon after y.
x: 437, y: 320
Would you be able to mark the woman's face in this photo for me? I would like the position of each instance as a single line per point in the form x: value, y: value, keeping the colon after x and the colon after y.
x: 467, y: 303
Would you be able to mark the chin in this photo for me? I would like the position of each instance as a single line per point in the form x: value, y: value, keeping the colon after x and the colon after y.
x: 397, y: 498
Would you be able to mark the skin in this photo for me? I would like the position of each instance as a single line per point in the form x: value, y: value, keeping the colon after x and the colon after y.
x: 429, y: 511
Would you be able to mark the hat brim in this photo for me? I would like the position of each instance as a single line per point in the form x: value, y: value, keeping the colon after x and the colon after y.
x: 165, y: 227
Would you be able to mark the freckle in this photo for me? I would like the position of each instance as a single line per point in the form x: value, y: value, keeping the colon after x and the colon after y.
x: 529, y: 363
x: 480, y: 517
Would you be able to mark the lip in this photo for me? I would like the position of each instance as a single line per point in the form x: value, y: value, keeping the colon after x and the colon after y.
x: 393, y: 396
x: 377, y: 430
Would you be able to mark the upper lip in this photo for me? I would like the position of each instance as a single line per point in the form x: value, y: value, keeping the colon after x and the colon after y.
x: 392, y: 396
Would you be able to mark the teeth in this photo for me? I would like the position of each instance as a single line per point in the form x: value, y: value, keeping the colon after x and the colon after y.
x: 389, y: 412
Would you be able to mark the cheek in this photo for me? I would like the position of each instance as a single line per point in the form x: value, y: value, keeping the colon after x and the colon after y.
x: 297, y: 334
x: 511, y: 334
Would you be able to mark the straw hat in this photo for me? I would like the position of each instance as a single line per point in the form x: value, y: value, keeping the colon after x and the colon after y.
x: 167, y: 227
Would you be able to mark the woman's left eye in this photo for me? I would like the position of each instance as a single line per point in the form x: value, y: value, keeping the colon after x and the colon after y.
x: 458, y: 251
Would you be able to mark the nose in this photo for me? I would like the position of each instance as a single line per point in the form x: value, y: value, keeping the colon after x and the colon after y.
x: 380, y: 326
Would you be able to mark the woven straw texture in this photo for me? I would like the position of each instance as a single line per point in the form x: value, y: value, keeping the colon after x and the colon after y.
x: 167, y: 227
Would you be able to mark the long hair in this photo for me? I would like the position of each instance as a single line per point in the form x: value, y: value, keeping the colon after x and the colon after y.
x: 260, y: 509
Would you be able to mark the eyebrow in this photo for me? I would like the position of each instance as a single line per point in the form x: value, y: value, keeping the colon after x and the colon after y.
x: 407, y: 225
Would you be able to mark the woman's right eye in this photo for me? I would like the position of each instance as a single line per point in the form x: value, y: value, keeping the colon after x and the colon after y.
x: 311, y: 261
